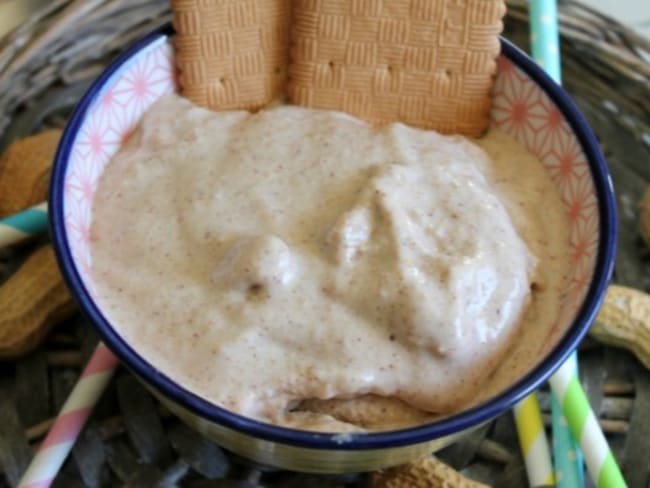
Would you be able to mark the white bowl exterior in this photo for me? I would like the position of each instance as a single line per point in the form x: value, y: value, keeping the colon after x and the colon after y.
x: 304, y: 459
x: 520, y: 107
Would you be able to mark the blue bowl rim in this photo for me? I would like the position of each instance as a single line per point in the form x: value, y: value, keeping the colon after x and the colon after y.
x: 362, y: 441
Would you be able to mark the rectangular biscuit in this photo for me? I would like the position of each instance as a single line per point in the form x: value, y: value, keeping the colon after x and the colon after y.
x: 231, y: 54
x: 426, y: 63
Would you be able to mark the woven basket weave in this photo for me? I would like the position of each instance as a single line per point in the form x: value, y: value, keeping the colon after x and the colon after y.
x: 47, y: 64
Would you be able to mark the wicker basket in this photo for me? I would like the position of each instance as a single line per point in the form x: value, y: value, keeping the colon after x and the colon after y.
x: 46, y: 65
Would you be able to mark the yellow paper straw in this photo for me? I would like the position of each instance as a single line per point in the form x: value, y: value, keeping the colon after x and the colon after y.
x: 533, y: 442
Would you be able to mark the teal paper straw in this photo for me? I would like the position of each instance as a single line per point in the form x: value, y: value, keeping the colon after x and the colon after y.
x: 25, y: 224
x: 569, y: 402
x: 544, y: 38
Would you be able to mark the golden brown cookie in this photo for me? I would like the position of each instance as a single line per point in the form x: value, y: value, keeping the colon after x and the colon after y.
x: 426, y: 63
x: 231, y: 54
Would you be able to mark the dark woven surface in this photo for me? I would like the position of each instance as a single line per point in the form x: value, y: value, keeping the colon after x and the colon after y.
x: 131, y: 441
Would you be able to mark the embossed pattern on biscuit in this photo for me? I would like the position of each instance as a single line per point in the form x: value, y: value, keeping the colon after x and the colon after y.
x: 426, y: 63
x: 231, y: 54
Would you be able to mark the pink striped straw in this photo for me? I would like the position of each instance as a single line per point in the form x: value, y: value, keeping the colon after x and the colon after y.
x: 66, y: 428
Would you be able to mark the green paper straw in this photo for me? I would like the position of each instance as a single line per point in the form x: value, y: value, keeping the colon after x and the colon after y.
x: 569, y: 471
x: 22, y: 225
x: 584, y: 426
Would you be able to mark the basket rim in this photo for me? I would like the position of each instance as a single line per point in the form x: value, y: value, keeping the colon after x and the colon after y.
x: 356, y: 441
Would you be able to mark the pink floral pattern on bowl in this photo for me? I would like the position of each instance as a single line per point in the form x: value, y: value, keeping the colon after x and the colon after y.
x: 111, y: 118
x: 520, y: 107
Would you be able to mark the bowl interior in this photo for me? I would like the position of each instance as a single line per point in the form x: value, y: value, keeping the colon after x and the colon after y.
x: 521, y: 107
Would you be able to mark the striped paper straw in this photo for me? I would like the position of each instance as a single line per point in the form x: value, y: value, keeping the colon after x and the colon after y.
x: 545, y: 42
x: 533, y: 442
x: 528, y: 417
x: 22, y: 225
x: 584, y: 426
x: 66, y: 428
x: 569, y: 471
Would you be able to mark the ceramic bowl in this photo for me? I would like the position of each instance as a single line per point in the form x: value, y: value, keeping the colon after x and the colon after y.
x: 527, y: 104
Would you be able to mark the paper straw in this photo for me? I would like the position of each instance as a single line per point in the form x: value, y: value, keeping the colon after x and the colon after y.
x: 544, y: 36
x: 569, y: 462
x: 528, y: 417
x: 545, y: 41
x: 565, y: 384
x: 55, y: 448
x: 533, y: 442
x: 584, y: 426
x: 20, y: 226
x: 66, y: 428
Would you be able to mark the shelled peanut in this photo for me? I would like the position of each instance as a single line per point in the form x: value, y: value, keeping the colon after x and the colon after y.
x: 426, y: 472
x: 624, y: 321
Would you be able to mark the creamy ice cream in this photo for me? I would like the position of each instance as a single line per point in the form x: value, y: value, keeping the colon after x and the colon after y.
x: 304, y: 268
